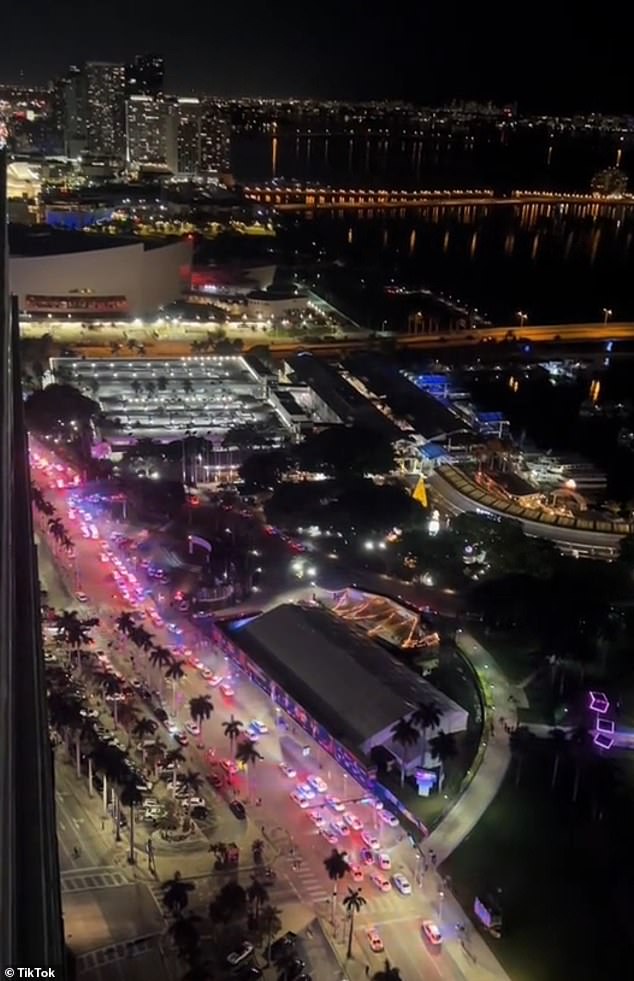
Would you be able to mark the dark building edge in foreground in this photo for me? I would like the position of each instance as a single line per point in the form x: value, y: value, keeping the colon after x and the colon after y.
x: 31, y: 929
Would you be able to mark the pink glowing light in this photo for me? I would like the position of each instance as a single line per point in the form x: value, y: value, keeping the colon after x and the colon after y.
x: 599, y: 702
x: 605, y: 726
x: 603, y: 740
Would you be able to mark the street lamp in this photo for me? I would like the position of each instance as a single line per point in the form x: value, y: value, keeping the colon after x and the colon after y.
x: 522, y: 317
x: 607, y: 313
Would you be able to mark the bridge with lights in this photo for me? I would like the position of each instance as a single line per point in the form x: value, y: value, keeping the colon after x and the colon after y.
x: 309, y: 197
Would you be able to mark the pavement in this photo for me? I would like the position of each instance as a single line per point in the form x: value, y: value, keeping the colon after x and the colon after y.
x: 295, y: 848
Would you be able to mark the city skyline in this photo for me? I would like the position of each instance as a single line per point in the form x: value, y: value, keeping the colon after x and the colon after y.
x: 347, y: 54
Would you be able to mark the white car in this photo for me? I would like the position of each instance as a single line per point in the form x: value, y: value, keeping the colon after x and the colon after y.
x: 431, y: 933
x: 245, y: 950
x: 341, y: 827
x: 402, y: 884
x: 381, y: 883
x: 193, y: 728
x: 376, y: 944
x: 288, y: 771
x: 81, y: 597
x: 335, y: 804
x: 227, y: 690
x: 317, y: 784
x: 370, y: 840
x: 215, y: 680
x: 388, y: 818
x: 306, y: 791
x: 260, y: 727
x: 353, y: 821
x: 357, y: 873
x: 318, y: 819
x: 207, y: 673
x: 384, y: 861
x: 299, y: 800
x: 329, y: 835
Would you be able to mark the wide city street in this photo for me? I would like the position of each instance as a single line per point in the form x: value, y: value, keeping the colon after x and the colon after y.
x: 300, y: 830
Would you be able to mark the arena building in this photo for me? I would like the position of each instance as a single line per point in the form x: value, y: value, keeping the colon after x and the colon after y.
x: 80, y: 274
x: 342, y: 687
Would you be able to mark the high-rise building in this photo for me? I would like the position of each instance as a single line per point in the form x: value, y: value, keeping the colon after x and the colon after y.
x: 145, y: 75
x: 105, y: 108
x: 151, y: 130
x: 70, y: 110
x: 31, y: 930
x: 215, y: 143
x: 203, y: 137
x: 188, y: 142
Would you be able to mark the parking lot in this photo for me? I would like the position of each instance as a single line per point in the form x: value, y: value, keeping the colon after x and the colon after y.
x: 204, y: 396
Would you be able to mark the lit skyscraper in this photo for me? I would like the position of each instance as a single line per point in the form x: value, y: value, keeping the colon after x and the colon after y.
x: 145, y: 75
x: 203, y: 137
x: 151, y: 131
x: 70, y: 110
x: 105, y: 115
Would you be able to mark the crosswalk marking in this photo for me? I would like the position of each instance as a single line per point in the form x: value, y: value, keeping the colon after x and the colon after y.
x: 108, y: 955
x: 76, y: 882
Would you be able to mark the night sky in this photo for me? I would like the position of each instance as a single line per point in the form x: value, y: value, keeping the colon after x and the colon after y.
x: 347, y: 49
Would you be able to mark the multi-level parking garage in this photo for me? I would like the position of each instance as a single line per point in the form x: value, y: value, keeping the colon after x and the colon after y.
x: 204, y: 396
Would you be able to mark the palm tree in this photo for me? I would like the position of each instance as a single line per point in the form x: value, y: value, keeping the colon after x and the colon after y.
x: 336, y: 867
x: 257, y: 894
x: 354, y: 903
x: 443, y: 747
x: 426, y: 716
x: 154, y: 754
x: 160, y: 658
x: 200, y: 708
x: 270, y: 923
x: 143, y: 729
x: 176, y: 757
x: 232, y: 730
x: 191, y: 780
x: 111, y: 687
x: 109, y: 761
x: 131, y: 797
x: 141, y: 638
x: 56, y: 528
x: 247, y: 754
x: 174, y: 673
x: 559, y: 742
x: 176, y: 893
x: 387, y: 973
x: 404, y: 733
x: 72, y: 631
x: 125, y: 623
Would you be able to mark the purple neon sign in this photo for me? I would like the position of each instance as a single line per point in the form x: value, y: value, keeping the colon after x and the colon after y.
x: 599, y: 703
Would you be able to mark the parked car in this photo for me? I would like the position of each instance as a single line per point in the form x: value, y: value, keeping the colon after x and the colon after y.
x: 237, y: 807
x: 241, y: 954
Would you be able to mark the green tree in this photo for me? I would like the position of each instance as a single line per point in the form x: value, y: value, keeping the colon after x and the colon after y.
x: 131, y: 797
x: 443, y: 747
x: 353, y: 903
x: 175, y: 674
x: 406, y: 735
x: 200, y: 709
x: 232, y: 729
x: 191, y: 781
x: 426, y: 716
x: 336, y: 867
x: 247, y: 754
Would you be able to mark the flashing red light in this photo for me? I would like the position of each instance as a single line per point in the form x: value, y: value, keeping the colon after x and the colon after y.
x: 194, y: 502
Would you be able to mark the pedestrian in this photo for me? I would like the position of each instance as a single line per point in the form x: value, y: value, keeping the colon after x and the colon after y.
x: 76, y: 852
x: 432, y: 855
x: 367, y: 970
